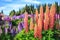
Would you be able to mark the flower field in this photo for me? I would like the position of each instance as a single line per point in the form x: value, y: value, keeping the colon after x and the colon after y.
x: 38, y: 26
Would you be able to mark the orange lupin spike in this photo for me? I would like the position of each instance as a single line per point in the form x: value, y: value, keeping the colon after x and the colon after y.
x: 31, y: 24
x: 35, y: 31
x: 41, y: 15
x: 39, y: 32
x: 46, y: 20
x: 40, y: 23
x: 53, y: 10
x: 41, y: 12
x: 52, y: 14
x: 26, y: 22
x: 36, y: 16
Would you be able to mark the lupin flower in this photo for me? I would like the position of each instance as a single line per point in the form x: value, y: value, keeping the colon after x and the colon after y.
x: 7, y: 18
x: 46, y: 19
x: 35, y: 30
x: 10, y: 24
x: 53, y: 10
x: 41, y: 15
x: 26, y: 22
x: 41, y: 12
x: 59, y: 15
x: 23, y: 24
x: 52, y: 14
x: 57, y: 23
x: 18, y: 17
x: 13, y: 31
x: 14, y: 17
x: 22, y: 15
x: 20, y: 27
x: 40, y: 25
x: 36, y: 16
x: 56, y: 16
x: 31, y: 24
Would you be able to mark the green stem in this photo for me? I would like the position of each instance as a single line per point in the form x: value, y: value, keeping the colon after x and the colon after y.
x: 49, y: 36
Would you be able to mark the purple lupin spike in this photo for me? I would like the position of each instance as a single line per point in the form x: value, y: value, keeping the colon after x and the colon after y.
x: 14, y: 17
x: 22, y: 15
x: 7, y: 18
x: 56, y: 16
x: 10, y: 24
x: 20, y: 27
x: 13, y: 31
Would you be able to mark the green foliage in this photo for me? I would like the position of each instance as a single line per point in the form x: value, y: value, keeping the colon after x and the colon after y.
x: 23, y: 36
x: 18, y: 12
x: 57, y: 7
x: 15, y: 22
x: 48, y: 35
x: 4, y: 36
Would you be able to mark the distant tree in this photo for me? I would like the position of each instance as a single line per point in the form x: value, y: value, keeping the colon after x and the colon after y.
x: 38, y: 8
x: 27, y: 8
x: 57, y: 7
x: 44, y: 7
x: 32, y: 8
x: 1, y: 11
x: 18, y: 12
x: 23, y: 10
x: 12, y: 13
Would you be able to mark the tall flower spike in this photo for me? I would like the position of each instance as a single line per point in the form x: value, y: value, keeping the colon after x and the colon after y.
x: 36, y: 16
x: 46, y: 20
x: 52, y: 16
x: 40, y: 23
x: 41, y: 12
x: 35, y: 31
x: 26, y: 22
x: 39, y: 32
x: 56, y: 16
x: 20, y: 27
x: 41, y: 16
x: 31, y: 24
x: 57, y: 24
x: 53, y: 10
